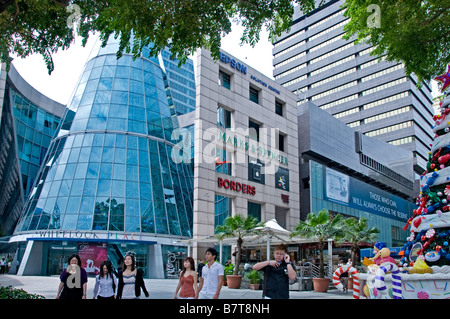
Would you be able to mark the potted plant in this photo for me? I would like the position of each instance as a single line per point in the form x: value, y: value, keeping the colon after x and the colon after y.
x: 237, y: 227
x: 228, y: 270
x: 321, y: 226
x: 254, y: 279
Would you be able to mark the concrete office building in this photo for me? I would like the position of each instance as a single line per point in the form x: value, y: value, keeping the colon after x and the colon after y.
x: 349, y: 173
x: 29, y: 120
x: 246, y: 150
x: 375, y: 98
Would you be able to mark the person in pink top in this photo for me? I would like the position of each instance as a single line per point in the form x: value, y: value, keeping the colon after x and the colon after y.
x: 188, y: 280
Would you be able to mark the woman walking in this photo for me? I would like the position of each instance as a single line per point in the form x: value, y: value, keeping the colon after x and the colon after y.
x: 188, y: 280
x: 131, y: 279
x: 106, y: 282
x: 74, y: 279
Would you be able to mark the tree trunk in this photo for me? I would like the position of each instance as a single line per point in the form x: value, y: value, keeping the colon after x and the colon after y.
x: 321, y: 265
x: 355, y: 257
x: 238, y: 257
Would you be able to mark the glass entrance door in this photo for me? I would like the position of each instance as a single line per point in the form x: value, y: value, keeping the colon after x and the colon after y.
x: 58, y: 255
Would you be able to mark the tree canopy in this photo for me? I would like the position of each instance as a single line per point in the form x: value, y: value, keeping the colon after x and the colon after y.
x: 44, y: 26
x: 416, y: 33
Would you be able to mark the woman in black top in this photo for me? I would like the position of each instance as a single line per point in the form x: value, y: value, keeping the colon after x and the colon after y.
x: 131, y: 279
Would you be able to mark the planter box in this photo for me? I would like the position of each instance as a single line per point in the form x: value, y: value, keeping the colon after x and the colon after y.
x: 234, y: 282
x: 321, y: 284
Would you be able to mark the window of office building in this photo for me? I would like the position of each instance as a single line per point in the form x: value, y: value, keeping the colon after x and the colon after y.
x: 253, y: 130
x: 281, y: 216
x: 222, y: 209
x: 254, y: 209
x: 223, y: 117
x: 254, y: 95
x: 279, y: 108
x: 224, y: 80
x: 223, y: 161
x: 281, y: 141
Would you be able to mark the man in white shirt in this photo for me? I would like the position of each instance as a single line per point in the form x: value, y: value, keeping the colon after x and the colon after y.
x: 212, y: 277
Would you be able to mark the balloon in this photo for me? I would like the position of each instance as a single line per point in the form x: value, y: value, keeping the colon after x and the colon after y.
x: 366, y: 290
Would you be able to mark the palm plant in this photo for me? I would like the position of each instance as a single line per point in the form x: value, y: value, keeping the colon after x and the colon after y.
x: 238, y: 226
x: 321, y: 226
x: 357, y: 231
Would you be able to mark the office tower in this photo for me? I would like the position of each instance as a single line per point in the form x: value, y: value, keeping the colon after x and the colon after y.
x: 29, y: 119
x: 181, y: 82
x: 375, y: 98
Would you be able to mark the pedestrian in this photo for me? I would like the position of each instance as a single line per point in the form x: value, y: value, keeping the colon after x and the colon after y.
x: 212, y: 277
x: 277, y: 274
x: 200, y: 265
x: 130, y: 279
x: 105, y: 282
x: 344, y: 277
x: 74, y: 280
x: 349, y: 263
x: 188, y: 280
x: 2, y: 265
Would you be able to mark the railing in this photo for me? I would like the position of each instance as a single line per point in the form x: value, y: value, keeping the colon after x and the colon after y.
x: 312, y: 271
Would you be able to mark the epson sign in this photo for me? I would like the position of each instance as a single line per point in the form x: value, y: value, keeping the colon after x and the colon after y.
x: 234, y: 64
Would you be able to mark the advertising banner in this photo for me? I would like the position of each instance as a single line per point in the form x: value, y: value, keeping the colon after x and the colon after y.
x: 92, y: 255
x: 345, y: 190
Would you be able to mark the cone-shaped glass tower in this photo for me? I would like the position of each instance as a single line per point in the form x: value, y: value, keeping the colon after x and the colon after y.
x: 109, y: 167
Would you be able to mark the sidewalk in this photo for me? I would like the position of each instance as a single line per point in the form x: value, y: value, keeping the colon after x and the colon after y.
x: 157, y: 288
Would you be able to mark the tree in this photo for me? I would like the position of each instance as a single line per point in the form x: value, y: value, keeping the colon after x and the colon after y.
x: 416, y: 33
x: 357, y: 231
x: 321, y: 226
x: 238, y: 227
x: 44, y: 26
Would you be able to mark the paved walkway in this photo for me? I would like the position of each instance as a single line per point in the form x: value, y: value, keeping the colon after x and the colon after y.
x: 158, y: 289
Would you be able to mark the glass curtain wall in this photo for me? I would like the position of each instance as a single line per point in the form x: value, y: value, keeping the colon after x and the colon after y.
x: 110, y: 167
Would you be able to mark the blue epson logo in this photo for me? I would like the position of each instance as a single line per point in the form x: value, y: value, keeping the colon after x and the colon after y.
x: 234, y: 64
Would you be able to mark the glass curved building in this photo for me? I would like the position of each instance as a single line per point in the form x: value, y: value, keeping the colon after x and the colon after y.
x: 109, y: 183
x: 28, y: 121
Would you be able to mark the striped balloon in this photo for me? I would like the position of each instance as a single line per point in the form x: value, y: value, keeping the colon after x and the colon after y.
x: 396, y: 279
x: 353, y: 272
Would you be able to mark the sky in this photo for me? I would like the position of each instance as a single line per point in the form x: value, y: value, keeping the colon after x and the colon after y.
x: 69, y: 64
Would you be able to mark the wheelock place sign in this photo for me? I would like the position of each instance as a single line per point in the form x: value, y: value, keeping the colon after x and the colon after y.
x: 74, y: 234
